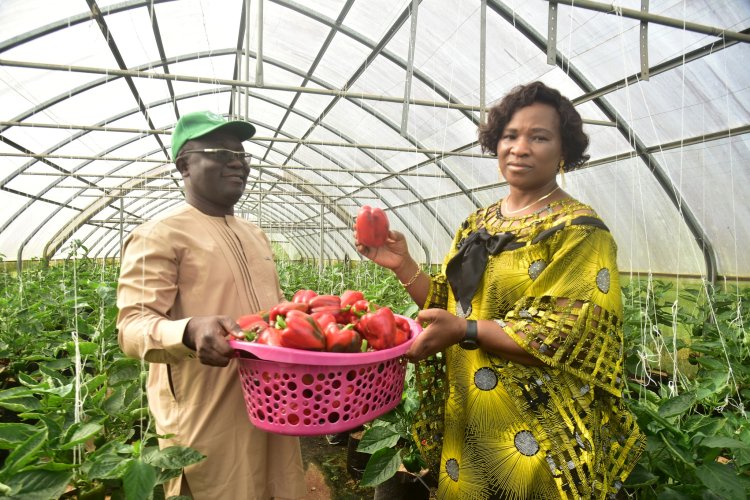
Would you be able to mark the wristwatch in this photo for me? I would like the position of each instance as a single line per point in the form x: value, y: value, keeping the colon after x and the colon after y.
x: 471, y: 338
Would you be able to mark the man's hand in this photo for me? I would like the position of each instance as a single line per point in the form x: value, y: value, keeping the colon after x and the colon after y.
x: 207, y: 335
x: 444, y: 330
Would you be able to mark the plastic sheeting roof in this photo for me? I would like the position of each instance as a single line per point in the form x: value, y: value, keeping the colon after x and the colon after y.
x: 91, y: 90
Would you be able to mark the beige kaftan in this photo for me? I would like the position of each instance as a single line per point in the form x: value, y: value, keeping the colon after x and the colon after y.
x: 191, y: 264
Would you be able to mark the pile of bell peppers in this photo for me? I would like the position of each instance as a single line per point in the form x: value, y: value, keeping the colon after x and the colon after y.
x: 346, y: 323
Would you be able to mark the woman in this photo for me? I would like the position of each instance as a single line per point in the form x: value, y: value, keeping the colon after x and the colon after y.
x: 527, y: 313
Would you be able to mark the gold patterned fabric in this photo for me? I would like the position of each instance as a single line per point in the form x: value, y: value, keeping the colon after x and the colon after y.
x: 508, y: 430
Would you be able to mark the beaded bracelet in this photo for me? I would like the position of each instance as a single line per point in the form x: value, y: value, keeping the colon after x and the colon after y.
x: 412, y: 279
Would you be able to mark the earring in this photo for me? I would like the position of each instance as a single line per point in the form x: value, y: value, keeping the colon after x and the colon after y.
x: 562, y: 173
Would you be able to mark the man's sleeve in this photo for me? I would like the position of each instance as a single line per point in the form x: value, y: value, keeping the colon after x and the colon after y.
x: 145, y: 295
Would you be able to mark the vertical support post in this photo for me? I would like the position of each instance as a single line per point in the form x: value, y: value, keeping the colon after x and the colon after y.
x: 482, y: 59
x: 644, y: 42
x: 236, y: 95
x: 247, y: 59
x: 122, y: 220
x: 409, y: 67
x: 320, y: 243
x: 552, y: 33
x: 260, y: 206
x: 259, y: 52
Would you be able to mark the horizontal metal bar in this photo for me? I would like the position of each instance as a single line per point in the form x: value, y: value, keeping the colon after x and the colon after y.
x: 253, y: 166
x: 265, y: 200
x: 656, y: 19
x: 231, y: 83
x: 276, y: 182
x: 307, y: 142
x: 290, y: 226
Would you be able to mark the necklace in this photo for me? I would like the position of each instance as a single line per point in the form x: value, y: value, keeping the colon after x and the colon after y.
x: 511, y: 212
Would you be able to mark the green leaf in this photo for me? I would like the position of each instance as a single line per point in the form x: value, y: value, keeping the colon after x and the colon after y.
x: 19, y: 399
x: 78, y: 433
x: 39, y: 484
x: 85, y: 348
x: 25, y: 453
x: 677, y: 405
x: 640, y: 477
x: 139, y: 480
x: 108, y: 466
x: 57, y: 364
x: 721, y: 479
x: 377, y: 438
x: 670, y: 494
x: 115, y: 403
x: 124, y: 370
x: 724, y: 442
x: 383, y: 465
x: 174, y: 457
x: 21, y: 404
x: 410, y: 311
x: 12, y: 434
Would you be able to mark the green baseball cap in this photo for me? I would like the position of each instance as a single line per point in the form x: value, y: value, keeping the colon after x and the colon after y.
x: 200, y: 123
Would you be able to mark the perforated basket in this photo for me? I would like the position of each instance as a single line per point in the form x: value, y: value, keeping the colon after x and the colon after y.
x: 307, y: 393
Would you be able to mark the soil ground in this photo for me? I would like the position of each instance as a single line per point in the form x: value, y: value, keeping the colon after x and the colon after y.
x: 326, y: 474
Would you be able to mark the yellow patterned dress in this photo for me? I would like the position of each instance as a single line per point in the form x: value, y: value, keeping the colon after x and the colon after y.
x: 513, y: 431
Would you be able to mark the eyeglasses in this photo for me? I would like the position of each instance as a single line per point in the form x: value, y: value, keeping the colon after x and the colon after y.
x: 222, y: 155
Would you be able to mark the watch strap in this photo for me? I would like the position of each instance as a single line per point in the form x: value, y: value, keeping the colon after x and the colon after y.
x: 471, y: 337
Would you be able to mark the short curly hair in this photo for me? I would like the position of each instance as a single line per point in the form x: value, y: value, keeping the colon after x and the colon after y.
x: 574, y: 139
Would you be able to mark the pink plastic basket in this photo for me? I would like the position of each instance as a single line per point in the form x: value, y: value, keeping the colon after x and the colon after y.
x: 307, y: 393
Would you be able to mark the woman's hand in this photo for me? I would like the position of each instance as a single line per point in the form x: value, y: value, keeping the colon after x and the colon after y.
x: 444, y: 330
x: 392, y: 255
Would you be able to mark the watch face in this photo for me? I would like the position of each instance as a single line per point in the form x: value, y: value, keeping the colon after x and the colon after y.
x: 469, y: 345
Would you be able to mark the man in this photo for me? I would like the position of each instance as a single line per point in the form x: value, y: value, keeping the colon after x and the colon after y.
x: 184, y: 278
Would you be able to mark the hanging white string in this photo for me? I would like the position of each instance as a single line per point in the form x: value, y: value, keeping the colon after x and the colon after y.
x: 78, y: 402
x: 650, y: 334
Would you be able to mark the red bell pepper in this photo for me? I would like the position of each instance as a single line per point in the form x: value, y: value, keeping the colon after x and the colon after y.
x: 340, y: 339
x: 360, y: 307
x: 323, y: 319
x: 283, y: 308
x: 304, y: 296
x: 402, y: 324
x: 400, y: 336
x: 371, y: 226
x: 361, y: 325
x: 325, y: 302
x: 349, y: 297
x: 269, y: 336
x: 300, y: 331
x: 380, y: 328
x: 252, y: 323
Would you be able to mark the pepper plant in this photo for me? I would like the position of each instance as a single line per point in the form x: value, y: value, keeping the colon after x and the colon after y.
x: 694, y: 405
x: 73, y: 416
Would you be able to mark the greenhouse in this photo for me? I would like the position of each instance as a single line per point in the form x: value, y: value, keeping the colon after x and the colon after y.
x: 381, y: 104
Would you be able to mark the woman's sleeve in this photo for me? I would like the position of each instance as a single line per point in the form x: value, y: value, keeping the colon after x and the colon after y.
x: 571, y: 316
x: 146, y: 292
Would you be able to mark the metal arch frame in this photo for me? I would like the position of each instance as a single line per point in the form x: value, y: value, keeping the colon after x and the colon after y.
x: 121, y: 115
x: 318, y: 18
x: 276, y: 103
x: 134, y: 4
x: 671, y: 190
x: 379, y: 49
x: 663, y: 67
x: 166, y: 101
x: 137, y: 183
